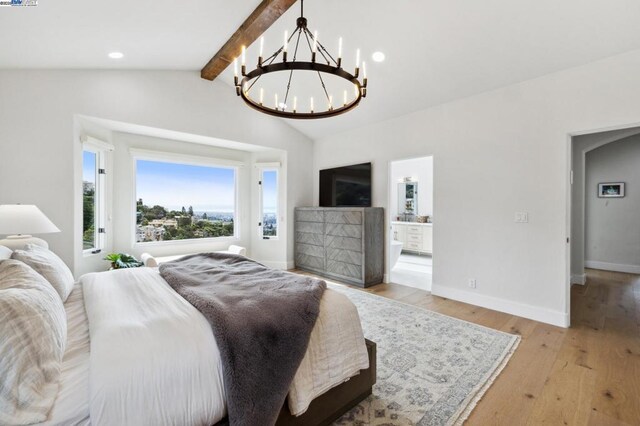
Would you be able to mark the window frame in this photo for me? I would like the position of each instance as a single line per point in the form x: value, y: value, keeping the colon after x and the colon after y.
x: 100, y: 205
x: 189, y: 160
x: 261, y: 171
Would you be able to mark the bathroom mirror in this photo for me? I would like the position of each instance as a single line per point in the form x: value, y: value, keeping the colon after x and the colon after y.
x: 408, y: 198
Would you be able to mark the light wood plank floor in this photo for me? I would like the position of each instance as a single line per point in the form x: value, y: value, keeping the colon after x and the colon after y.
x: 588, y: 374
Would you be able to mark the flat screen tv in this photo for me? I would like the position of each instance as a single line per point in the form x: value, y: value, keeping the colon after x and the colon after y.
x: 348, y: 186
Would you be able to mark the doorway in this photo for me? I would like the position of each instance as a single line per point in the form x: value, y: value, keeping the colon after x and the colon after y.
x: 410, y: 245
x: 605, y: 198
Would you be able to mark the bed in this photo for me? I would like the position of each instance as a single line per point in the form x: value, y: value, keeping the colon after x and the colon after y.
x: 133, y: 342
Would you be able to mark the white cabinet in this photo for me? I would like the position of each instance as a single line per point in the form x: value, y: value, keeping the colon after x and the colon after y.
x: 417, y: 237
x: 399, y: 233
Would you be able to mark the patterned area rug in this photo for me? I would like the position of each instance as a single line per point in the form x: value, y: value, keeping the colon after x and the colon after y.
x: 432, y: 369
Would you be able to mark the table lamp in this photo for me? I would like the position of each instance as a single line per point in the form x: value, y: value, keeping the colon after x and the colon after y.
x: 19, y: 221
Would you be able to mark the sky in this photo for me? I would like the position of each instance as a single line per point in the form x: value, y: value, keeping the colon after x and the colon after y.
x: 173, y: 186
x: 88, y: 167
x: 270, y: 191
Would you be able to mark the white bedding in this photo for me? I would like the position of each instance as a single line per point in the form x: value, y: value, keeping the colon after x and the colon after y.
x: 71, y: 407
x: 154, y: 359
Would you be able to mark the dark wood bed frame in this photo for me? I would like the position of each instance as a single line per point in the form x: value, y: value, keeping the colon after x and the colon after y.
x: 331, y: 405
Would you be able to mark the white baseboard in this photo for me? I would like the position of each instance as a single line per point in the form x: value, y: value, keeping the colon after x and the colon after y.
x: 560, y: 319
x: 275, y: 265
x: 291, y: 264
x: 386, y: 278
x: 616, y: 267
x: 579, y: 279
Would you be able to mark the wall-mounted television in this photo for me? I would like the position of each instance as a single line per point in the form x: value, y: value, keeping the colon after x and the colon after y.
x: 348, y: 186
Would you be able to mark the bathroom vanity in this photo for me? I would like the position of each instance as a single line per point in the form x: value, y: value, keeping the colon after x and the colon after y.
x: 414, y: 236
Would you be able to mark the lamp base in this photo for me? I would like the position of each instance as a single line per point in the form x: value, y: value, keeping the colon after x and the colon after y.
x: 17, y: 242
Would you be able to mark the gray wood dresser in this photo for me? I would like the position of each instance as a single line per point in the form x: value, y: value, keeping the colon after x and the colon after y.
x: 341, y: 242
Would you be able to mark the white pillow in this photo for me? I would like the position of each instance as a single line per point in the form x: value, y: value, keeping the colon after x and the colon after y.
x: 5, y: 253
x: 33, y: 326
x: 49, y: 265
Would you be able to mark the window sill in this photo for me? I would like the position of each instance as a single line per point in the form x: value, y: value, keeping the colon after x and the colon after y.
x: 193, y: 241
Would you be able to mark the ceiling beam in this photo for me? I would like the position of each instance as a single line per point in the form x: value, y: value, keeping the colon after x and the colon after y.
x: 253, y: 27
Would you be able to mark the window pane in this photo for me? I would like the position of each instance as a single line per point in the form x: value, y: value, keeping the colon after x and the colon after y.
x: 182, y: 202
x: 269, y: 203
x: 89, y: 170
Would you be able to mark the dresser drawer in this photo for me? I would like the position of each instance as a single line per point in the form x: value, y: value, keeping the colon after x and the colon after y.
x: 344, y: 217
x: 307, y: 238
x: 341, y: 230
x: 309, y: 216
x: 312, y: 250
x: 413, y: 238
x: 310, y: 262
x: 344, y: 269
x: 345, y: 243
x: 310, y: 227
x: 347, y: 256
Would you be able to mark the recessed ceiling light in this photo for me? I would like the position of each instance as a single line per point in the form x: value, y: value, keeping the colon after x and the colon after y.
x: 377, y: 56
x: 116, y: 55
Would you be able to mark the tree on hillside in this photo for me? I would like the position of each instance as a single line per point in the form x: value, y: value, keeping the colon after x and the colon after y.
x: 88, y: 203
x: 190, y: 211
x: 184, y: 222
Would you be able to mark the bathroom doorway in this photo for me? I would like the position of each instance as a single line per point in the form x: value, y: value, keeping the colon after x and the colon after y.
x: 411, y: 222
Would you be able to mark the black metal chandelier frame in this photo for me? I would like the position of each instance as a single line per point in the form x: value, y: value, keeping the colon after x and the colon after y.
x: 329, y: 66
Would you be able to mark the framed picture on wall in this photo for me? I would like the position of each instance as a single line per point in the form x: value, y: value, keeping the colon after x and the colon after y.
x: 611, y: 190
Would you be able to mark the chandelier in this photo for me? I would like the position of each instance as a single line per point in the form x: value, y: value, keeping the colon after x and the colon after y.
x: 287, y: 61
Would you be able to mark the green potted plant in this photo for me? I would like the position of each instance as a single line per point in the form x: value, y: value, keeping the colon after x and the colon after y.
x: 122, y: 260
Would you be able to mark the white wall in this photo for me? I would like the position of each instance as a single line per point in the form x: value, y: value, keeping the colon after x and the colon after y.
x: 495, y: 154
x: 581, y: 145
x: 40, y: 158
x: 419, y: 169
x: 613, y: 224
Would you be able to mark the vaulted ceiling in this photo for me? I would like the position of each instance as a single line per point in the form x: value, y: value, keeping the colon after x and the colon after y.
x: 436, y: 50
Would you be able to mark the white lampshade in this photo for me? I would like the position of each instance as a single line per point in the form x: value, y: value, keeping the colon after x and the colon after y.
x: 24, y: 219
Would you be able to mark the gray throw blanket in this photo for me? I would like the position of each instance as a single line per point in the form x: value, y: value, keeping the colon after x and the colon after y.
x: 262, y: 321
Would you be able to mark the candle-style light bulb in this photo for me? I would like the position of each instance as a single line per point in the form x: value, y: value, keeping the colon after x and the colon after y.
x: 357, y: 58
x: 243, y: 68
x: 276, y: 98
x: 261, y: 45
x: 330, y: 102
x: 340, y: 48
x: 311, y: 104
x: 285, y: 46
x: 261, y: 95
x: 344, y: 98
x: 315, y: 42
x: 295, y: 103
